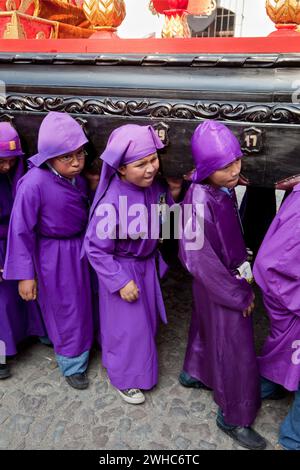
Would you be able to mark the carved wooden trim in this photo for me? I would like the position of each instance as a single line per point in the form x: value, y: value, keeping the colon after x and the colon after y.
x: 242, y: 112
x: 170, y: 60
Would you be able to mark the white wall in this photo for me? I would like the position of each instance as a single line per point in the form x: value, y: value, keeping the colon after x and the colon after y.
x: 139, y: 21
x: 251, y: 19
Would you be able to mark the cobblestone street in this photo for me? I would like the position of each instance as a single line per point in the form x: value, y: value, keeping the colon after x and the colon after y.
x: 38, y: 410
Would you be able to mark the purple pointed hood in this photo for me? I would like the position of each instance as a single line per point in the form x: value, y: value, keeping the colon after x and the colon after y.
x: 10, y: 147
x: 125, y: 145
x: 59, y: 134
x: 213, y: 147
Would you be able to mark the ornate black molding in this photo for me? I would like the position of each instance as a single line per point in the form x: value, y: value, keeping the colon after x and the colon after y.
x: 176, y: 60
x: 242, y: 112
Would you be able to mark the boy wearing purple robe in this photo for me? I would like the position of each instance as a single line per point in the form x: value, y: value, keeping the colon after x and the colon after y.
x: 277, y: 272
x: 220, y: 352
x: 46, y: 230
x: 17, y: 320
x: 124, y: 256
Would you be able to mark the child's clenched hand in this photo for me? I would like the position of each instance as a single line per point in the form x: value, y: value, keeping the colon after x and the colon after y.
x: 175, y: 186
x: 247, y: 312
x: 28, y: 289
x: 130, y: 292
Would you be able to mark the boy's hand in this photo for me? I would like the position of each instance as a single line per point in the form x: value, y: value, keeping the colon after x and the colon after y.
x: 28, y: 289
x: 188, y: 176
x: 130, y: 292
x: 247, y: 312
x: 175, y: 185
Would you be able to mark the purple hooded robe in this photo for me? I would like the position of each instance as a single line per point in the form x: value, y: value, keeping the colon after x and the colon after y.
x: 18, y: 319
x: 127, y: 329
x: 277, y: 272
x: 46, y: 230
x: 220, y: 351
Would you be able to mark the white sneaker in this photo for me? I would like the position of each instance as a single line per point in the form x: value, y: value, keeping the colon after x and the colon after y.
x: 132, y: 395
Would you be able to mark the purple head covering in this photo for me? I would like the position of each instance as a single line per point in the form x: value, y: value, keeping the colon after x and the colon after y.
x: 59, y: 134
x: 125, y: 145
x: 10, y: 147
x: 213, y: 147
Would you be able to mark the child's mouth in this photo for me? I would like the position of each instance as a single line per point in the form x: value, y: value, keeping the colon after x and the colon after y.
x: 234, y: 180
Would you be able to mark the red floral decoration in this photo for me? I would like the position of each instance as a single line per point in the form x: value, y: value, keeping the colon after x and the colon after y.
x: 163, y: 5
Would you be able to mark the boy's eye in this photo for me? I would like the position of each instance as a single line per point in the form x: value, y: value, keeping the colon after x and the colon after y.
x: 153, y: 160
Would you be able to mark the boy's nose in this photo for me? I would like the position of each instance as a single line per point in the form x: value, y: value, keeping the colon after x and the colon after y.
x: 236, y: 169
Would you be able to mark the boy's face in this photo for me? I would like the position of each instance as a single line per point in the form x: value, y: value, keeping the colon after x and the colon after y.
x: 142, y: 172
x: 6, y: 164
x: 70, y: 164
x: 228, y: 176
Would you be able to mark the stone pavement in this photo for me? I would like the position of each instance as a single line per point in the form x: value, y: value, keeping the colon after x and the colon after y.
x: 38, y: 410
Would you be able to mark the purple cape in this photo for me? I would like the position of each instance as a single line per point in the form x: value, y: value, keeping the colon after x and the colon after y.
x: 46, y: 230
x: 18, y: 319
x: 277, y: 272
x: 220, y: 350
x: 47, y: 225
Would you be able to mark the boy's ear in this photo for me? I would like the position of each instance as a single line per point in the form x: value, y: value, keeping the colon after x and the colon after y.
x: 122, y: 170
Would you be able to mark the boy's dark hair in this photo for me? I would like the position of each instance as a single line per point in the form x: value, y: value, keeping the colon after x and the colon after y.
x: 93, y: 166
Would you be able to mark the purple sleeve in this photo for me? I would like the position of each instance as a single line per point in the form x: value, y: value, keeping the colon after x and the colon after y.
x: 19, y: 264
x: 205, y: 265
x: 100, y: 252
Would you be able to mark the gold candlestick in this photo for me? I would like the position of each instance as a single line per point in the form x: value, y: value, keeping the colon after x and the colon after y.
x: 283, y: 12
x: 176, y: 25
x: 104, y: 15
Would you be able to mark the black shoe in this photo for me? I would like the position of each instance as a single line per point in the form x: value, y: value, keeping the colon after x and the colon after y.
x: 187, y: 380
x: 78, y: 381
x: 4, y: 371
x: 45, y: 341
x: 245, y: 436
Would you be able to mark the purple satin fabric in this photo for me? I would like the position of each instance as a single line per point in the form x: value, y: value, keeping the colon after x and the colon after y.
x: 47, y: 226
x: 18, y: 319
x: 220, y: 350
x: 277, y: 272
